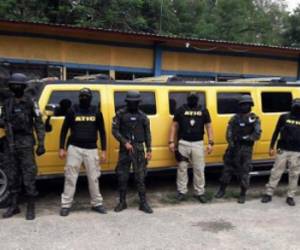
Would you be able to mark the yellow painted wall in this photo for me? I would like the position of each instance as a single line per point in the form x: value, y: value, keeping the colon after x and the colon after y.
x: 176, y: 61
x: 84, y: 53
x: 74, y: 52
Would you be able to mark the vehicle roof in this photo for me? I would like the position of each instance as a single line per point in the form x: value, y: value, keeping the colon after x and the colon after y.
x: 180, y: 83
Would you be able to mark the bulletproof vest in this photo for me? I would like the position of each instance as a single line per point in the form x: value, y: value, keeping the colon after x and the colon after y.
x: 84, y: 127
x: 192, y: 122
x: 244, y: 124
x: 20, y: 116
x: 132, y: 126
x: 290, y: 132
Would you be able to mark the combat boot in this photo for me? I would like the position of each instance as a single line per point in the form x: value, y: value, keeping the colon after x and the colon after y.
x: 242, y: 197
x: 290, y: 201
x: 13, y: 208
x: 30, y: 213
x: 221, y: 192
x: 144, y: 206
x: 122, y: 202
x: 266, y: 198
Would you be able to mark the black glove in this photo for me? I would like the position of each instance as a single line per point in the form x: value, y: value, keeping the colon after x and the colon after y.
x: 40, y: 150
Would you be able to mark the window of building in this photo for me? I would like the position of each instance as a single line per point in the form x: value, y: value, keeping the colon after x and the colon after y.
x: 131, y: 75
x: 147, y: 105
x: 177, y: 99
x: 63, y: 100
x: 72, y: 72
x: 227, y: 103
x: 276, y: 101
x: 196, y: 78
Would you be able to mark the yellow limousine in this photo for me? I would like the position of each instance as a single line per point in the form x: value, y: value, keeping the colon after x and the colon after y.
x: 160, y: 99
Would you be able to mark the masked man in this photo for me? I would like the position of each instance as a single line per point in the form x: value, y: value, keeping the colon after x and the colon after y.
x: 22, y: 116
x: 288, y: 153
x: 242, y: 132
x: 188, y: 126
x: 84, y: 121
x: 131, y: 128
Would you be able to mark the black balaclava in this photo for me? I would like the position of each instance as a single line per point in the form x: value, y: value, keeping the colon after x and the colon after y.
x: 192, y: 101
x: 132, y: 106
x: 17, y: 89
x: 245, y: 108
x: 85, y: 101
x: 295, y: 110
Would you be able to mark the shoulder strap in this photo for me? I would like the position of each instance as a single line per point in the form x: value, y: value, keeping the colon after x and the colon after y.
x: 94, y: 109
x: 75, y: 108
x: 9, y: 108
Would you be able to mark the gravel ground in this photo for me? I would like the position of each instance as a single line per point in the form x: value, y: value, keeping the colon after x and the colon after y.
x: 220, y: 224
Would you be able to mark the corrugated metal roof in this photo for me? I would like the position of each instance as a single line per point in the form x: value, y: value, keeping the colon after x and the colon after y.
x: 155, y: 37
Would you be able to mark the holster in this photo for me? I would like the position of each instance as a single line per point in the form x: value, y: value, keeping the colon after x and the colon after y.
x: 179, y: 157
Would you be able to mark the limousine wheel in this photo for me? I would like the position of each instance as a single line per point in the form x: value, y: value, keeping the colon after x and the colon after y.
x: 4, y: 194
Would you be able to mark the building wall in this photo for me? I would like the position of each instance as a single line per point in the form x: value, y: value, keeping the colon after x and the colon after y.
x: 138, y: 59
x: 210, y: 64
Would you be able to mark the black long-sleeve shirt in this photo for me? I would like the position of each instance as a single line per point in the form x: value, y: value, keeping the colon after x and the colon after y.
x: 84, y: 125
x: 279, y: 126
x: 288, y: 130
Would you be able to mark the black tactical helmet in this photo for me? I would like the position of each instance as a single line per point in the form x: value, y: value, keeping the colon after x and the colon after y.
x: 85, y: 92
x: 246, y: 99
x: 18, y: 78
x: 133, y: 96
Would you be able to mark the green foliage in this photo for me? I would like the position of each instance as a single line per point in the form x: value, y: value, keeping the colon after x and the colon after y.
x: 260, y: 21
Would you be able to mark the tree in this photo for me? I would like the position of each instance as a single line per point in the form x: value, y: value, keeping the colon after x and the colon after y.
x: 291, y: 35
x: 260, y: 21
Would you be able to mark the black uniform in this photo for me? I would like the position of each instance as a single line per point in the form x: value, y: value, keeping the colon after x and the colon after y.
x: 135, y: 129
x: 191, y: 122
x: 22, y: 116
x: 288, y: 126
x: 242, y: 131
x: 84, y: 123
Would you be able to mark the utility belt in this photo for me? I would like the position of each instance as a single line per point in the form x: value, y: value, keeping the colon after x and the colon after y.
x: 244, y: 143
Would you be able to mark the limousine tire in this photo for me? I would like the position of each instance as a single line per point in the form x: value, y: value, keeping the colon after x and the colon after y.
x: 4, y: 193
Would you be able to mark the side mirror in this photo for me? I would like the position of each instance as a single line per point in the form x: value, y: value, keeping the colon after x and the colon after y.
x: 49, y: 111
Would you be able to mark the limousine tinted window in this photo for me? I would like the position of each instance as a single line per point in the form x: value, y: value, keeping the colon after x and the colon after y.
x: 147, y: 105
x: 227, y: 103
x: 177, y: 99
x: 276, y: 101
x: 65, y: 99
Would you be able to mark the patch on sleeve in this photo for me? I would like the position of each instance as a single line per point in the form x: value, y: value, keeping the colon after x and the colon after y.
x: 36, y: 109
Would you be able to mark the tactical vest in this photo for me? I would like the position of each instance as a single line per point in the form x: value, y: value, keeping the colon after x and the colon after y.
x: 84, y: 128
x: 192, y: 124
x: 132, y: 126
x: 243, y: 126
x: 290, y: 134
x: 20, y: 116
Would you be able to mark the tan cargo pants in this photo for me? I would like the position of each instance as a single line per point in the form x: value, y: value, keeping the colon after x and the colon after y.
x: 90, y: 159
x: 194, y: 151
x: 283, y: 160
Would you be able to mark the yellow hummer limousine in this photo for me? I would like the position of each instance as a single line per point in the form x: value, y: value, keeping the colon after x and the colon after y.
x: 160, y: 99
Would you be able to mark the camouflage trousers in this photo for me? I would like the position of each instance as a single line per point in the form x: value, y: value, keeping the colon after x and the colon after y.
x: 4, y: 159
x: 138, y: 162
x: 284, y: 160
x: 237, y: 161
x: 23, y: 170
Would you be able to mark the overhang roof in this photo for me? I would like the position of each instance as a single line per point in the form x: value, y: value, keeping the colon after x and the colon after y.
x: 61, y: 31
